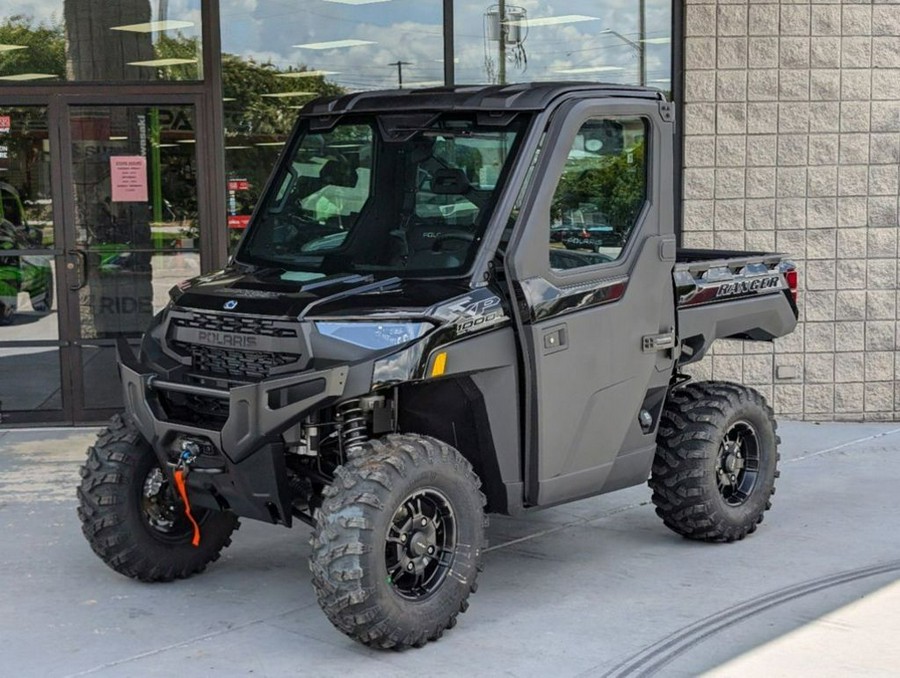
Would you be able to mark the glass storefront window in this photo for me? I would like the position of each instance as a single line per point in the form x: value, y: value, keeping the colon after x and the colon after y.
x: 26, y: 226
x: 276, y: 56
x: 136, y: 225
x: 43, y: 41
x: 581, y: 40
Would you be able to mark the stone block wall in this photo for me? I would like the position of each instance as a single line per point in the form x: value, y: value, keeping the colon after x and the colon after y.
x: 792, y: 144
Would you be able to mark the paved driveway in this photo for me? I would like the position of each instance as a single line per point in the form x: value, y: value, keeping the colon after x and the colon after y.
x: 594, y: 588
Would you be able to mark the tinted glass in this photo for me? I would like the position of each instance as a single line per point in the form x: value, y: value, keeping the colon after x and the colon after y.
x: 600, y: 194
x: 136, y: 222
x: 276, y: 56
x: 624, y: 42
x: 30, y: 378
x: 25, y: 198
x: 99, y: 41
x: 370, y: 197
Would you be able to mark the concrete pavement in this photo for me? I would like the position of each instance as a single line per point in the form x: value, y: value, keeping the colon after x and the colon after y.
x: 594, y: 588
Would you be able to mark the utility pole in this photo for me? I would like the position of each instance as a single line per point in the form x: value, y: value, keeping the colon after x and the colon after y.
x: 639, y: 47
x: 642, y: 43
x: 501, y: 66
x: 400, y: 64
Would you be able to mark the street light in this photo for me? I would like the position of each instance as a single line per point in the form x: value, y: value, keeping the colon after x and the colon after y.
x: 638, y: 47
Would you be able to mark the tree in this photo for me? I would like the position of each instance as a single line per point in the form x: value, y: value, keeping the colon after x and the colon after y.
x: 614, y: 184
x: 45, y: 46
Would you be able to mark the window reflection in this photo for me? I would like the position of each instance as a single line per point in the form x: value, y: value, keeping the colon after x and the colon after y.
x: 600, y: 194
x: 77, y: 40
x: 569, y: 40
x: 278, y: 55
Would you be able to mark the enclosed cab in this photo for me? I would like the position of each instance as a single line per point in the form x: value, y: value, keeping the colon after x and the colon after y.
x: 448, y: 303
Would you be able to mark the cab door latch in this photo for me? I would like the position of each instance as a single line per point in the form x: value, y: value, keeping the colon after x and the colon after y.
x: 651, y: 343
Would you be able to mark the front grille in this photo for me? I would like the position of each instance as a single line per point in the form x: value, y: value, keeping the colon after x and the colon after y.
x: 239, y: 324
x: 280, y: 344
x: 195, y: 409
x: 231, y: 363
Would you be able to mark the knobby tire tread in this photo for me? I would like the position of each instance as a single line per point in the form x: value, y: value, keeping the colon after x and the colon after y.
x: 683, y: 482
x: 361, y: 489
x: 105, y: 498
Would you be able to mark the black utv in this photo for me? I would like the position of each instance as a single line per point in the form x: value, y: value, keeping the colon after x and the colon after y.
x: 400, y: 345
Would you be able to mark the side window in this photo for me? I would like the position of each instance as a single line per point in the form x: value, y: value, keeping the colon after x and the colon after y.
x: 600, y: 194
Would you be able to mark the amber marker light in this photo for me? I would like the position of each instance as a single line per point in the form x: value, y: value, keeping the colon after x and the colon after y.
x: 440, y: 364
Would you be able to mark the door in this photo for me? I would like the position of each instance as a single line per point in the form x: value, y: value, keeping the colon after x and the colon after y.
x: 592, y: 265
x: 32, y: 259
x: 131, y: 230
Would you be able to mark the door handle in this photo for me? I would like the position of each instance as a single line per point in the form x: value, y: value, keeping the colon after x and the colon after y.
x: 555, y: 339
x: 81, y: 256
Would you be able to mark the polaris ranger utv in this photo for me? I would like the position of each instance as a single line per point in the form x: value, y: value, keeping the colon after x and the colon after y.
x: 401, y: 345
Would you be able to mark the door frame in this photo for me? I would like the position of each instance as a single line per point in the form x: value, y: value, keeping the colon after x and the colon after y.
x: 210, y: 207
x: 202, y: 149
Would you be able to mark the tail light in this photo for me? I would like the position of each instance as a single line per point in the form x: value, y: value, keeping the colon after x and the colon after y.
x: 791, y: 279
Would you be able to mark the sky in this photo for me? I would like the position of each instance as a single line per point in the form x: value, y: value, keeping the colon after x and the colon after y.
x: 410, y: 31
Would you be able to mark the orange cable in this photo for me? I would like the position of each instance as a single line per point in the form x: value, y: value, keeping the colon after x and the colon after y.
x: 182, y: 490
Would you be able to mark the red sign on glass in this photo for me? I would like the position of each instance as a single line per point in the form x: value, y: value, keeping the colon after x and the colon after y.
x: 238, y: 221
x: 128, y: 178
x: 238, y: 185
x: 5, y: 123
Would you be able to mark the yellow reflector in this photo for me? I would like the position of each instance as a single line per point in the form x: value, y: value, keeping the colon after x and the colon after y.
x: 440, y: 364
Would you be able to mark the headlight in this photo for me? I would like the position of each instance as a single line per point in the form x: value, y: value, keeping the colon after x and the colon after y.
x: 374, y: 335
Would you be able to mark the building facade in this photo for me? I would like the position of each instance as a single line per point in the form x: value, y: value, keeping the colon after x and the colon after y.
x: 136, y: 138
x: 792, y: 143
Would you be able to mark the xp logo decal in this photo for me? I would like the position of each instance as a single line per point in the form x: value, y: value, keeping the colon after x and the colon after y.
x: 230, y: 305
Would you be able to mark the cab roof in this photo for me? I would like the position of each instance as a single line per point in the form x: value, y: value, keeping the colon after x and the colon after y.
x: 517, y: 97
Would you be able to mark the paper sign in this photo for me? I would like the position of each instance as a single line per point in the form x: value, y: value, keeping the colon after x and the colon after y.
x: 5, y: 123
x: 128, y: 177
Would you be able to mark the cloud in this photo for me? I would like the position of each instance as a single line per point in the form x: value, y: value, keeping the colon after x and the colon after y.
x: 411, y: 31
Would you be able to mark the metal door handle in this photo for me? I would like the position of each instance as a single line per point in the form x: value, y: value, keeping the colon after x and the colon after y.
x: 81, y: 255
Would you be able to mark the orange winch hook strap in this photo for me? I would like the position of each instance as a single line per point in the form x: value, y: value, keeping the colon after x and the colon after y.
x: 182, y: 490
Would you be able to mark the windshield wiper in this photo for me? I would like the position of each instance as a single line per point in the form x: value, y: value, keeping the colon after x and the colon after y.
x: 353, y: 291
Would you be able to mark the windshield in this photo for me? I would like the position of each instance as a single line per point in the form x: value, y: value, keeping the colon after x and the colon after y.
x: 404, y: 195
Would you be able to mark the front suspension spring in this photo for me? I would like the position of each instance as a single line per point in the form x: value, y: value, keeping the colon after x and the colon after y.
x: 353, y: 424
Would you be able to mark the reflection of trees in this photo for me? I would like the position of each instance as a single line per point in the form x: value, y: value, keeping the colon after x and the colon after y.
x: 613, y: 184
x: 251, y: 118
x: 45, y: 46
x: 45, y: 52
x: 97, y: 53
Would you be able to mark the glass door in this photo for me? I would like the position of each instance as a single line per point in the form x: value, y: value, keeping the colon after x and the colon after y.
x: 32, y: 347
x: 132, y: 231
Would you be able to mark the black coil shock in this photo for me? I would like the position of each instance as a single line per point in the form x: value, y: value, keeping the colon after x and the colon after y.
x: 353, y: 424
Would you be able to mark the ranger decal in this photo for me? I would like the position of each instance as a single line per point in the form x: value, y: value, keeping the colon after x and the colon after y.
x: 732, y: 289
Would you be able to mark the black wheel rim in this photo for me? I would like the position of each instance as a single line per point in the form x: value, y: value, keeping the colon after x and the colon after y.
x: 420, y: 544
x: 737, y: 465
x: 162, y: 511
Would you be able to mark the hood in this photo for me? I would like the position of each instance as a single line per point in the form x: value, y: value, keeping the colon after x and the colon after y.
x: 273, y: 292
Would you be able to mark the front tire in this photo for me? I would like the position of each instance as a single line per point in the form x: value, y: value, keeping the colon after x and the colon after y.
x: 399, y: 541
x: 716, y: 461
x: 133, y: 519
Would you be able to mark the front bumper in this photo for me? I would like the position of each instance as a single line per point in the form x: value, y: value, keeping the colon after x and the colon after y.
x: 244, y: 468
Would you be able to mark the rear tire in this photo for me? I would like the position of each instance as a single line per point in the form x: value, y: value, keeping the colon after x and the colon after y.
x: 398, y: 542
x: 716, y: 461
x: 132, y: 518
